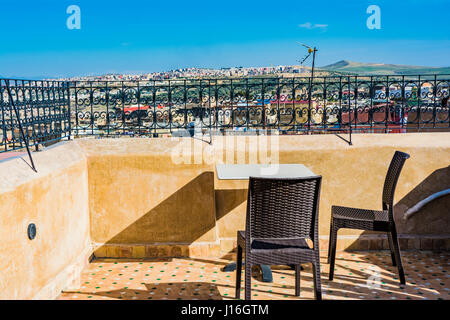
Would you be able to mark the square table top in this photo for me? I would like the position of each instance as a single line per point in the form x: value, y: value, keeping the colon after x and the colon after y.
x: 244, y: 171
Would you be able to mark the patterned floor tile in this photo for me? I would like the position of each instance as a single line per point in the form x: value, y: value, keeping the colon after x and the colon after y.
x: 358, y: 275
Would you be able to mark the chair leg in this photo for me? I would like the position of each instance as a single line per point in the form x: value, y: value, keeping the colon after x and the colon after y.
x: 297, y: 280
x: 238, y: 272
x: 329, y: 240
x: 391, y: 247
x: 333, y: 252
x: 317, y: 282
x: 248, y: 279
x: 398, y: 258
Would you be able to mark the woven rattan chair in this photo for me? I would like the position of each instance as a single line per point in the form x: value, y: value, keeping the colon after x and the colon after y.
x: 281, y: 215
x: 372, y: 220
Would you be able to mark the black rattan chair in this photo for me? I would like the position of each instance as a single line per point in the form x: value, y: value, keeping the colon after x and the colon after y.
x: 372, y: 220
x: 281, y: 215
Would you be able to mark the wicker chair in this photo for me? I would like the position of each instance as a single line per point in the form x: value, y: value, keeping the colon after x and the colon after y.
x: 372, y: 220
x: 281, y: 215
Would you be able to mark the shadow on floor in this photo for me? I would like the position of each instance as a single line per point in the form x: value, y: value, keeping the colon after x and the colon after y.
x: 159, y: 291
x: 363, y: 275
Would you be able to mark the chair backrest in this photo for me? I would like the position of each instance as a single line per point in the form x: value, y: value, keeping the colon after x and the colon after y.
x: 283, y: 208
x: 392, y: 176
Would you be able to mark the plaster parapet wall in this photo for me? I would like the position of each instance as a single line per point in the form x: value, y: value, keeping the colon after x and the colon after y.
x: 55, y: 200
x: 352, y: 176
x: 138, y: 195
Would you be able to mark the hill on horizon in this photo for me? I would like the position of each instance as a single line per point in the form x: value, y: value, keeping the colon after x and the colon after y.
x: 361, y: 68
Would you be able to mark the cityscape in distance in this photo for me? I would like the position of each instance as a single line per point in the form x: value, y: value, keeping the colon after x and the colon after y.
x: 342, y: 67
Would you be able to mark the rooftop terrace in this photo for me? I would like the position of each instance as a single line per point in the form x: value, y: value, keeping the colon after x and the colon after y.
x: 112, y: 204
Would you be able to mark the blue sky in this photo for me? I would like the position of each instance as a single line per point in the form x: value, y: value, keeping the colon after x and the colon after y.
x: 144, y: 36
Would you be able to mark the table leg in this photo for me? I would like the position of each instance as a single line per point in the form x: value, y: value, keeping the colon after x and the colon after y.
x: 230, y: 267
x: 265, y: 271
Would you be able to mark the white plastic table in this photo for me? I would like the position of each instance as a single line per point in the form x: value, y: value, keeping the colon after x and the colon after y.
x: 244, y: 171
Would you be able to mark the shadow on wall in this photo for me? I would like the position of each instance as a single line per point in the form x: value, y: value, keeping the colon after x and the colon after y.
x: 432, y: 220
x: 230, y: 199
x: 434, y: 217
x: 174, y: 219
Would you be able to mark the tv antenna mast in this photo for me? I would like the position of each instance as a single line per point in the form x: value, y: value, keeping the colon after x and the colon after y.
x: 313, y: 52
x: 310, y: 51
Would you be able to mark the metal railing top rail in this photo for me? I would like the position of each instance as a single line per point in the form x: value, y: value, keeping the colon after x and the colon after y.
x: 23, y: 81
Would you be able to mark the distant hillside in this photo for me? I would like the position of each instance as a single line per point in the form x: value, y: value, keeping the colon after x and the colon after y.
x: 347, y: 67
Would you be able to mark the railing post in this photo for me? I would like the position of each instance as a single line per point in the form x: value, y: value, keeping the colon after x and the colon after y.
x: 108, y: 120
x: 386, y: 107
x: 349, y: 111
x: 278, y: 104
x: 91, y: 101
x: 67, y: 84
x: 3, y: 107
x: 209, y: 107
x: 294, y: 112
x: 434, y: 101
x: 404, y: 102
x: 155, y: 117
x: 356, y: 103
x: 340, y: 104
x: 324, y: 113
x: 201, y: 105
x: 76, y: 109
x: 231, y: 103
x: 372, y: 94
x: 123, y: 109
x: 419, y: 93
x: 263, y: 111
x: 138, y: 98
x: 247, y: 111
x: 309, y: 104
x: 216, y: 108
x: 185, y: 105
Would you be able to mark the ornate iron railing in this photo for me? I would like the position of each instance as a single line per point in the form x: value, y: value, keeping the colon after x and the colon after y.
x: 54, y: 110
x: 369, y: 104
x: 42, y: 108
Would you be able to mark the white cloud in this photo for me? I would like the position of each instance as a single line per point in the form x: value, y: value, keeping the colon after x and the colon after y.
x: 309, y: 25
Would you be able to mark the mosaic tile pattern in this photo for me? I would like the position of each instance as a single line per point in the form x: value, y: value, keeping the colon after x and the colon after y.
x: 358, y: 275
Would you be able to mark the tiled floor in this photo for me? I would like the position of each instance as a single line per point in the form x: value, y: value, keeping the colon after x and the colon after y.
x: 356, y: 277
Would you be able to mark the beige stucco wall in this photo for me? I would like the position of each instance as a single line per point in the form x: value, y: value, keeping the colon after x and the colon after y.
x: 55, y: 200
x: 141, y: 195
x: 136, y: 197
x: 354, y: 176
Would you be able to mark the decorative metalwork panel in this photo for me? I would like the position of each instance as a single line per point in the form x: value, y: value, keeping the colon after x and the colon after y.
x: 364, y: 104
x: 43, y: 110
x: 51, y: 110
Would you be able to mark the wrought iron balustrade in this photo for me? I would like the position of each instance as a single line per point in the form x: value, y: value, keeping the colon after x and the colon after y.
x: 369, y: 104
x: 43, y: 110
x: 57, y: 109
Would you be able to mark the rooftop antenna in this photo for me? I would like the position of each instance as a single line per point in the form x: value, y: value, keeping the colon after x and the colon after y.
x: 310, y: 50
x: 313, y: 52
